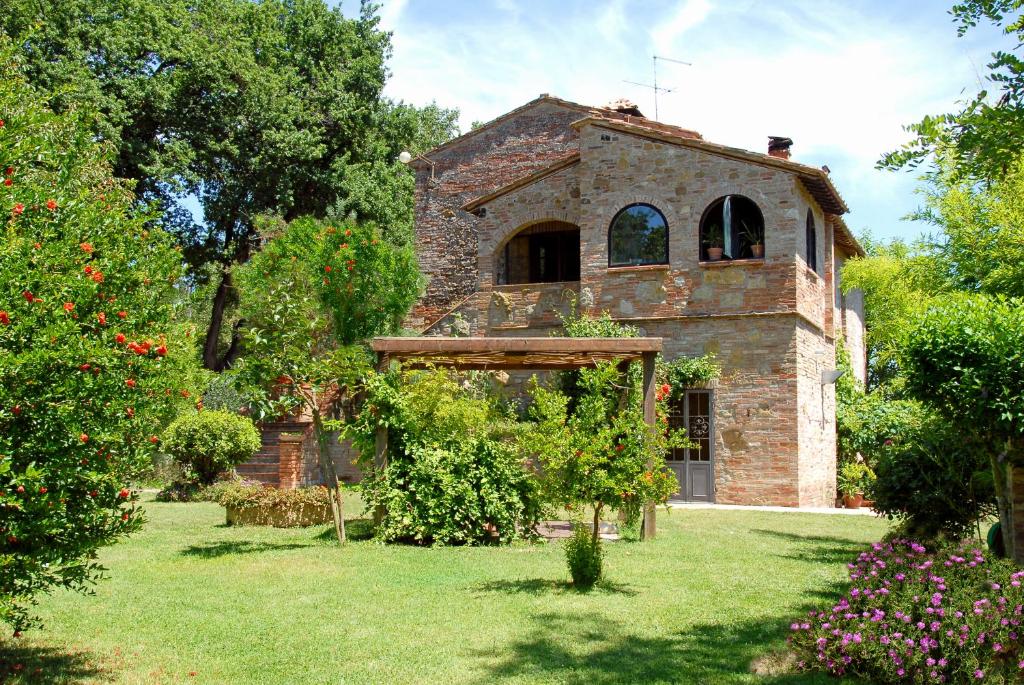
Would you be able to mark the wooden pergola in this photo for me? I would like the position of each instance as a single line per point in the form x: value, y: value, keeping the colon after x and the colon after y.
x: 538, y: 354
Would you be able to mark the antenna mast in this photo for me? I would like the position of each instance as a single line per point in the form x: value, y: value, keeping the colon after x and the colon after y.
x: 655, y: 87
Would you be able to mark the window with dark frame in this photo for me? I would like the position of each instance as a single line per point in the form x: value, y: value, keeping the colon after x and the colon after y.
x: 732, y: 227
x: 548, y: 252
x: 812, y: 242
x: 638, y: 235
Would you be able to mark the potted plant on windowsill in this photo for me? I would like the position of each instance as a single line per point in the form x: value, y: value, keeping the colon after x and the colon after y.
x: 755, y: 238
x: 713, y: 242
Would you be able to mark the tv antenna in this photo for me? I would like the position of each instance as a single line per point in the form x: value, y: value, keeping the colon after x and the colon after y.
x: 654, y: 86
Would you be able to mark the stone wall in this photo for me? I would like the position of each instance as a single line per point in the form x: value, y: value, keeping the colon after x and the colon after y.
x: 470, y: 167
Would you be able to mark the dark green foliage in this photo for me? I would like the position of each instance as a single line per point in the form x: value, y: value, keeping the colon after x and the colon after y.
x: 454, y: 475
x: 689, y: 372
x: 869, y: 424
x: 584, y: 556
x: 207, y: 443
x: 936, y: 483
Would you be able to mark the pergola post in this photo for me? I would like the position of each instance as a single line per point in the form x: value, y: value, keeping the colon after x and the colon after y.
x: 380, y: 452
x: 649, y: 528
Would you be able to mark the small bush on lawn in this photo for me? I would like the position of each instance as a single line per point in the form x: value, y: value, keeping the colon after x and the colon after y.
x: 584, y: 557
x: 272, y: 506
x: 453, y: 475
x: 207, y: 443
x: 950, y: 615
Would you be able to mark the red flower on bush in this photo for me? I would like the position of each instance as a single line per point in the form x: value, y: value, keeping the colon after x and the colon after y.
x: 18, y: 208
x: 5, y: 318
x: 83, y: 437
x: 86, y: 247
x: 87, y: 269
x: 348, y: 232
x: 121, y: 314
x: 29, y: 297
x: 98, y: 277
x: 124, y: 493
x: 68, y: 306
x: 327, y: 269
x: 130, y: 411
x: 102, y: 318
x: 153, y: 439
x: 42, y: 490
x: 130, y: 382
x: 51, y: 204
x: 83, y: 367
x: 8, y: 182
x: 161, y: 351
x: 119, y: 338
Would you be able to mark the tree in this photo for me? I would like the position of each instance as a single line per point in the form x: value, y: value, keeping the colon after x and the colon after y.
x: 89, y: 356
x: 253, y: 107
x: 965, y: 358
x: 984, y: 137
x: 310, y: 297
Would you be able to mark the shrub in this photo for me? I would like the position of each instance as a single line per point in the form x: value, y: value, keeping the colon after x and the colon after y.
x: 949, y: 615
x: 453, y: 474
x: 938, y: 484
x: 207, y: 443
x: 91, y: 364
x: 869, y: 424
x: 690, y: 372
x: 584, y: 557
x: 263, y: 505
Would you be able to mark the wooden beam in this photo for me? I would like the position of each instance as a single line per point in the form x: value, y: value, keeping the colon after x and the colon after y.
x: 651, y: 417
x: 417, y: 346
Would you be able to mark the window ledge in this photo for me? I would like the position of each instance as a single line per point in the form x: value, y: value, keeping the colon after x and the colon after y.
x: 722, y: 263
x: 520, y: 286
x: 639, y: 267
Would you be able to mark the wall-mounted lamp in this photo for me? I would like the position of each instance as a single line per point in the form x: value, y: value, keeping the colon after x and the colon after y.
x: 405, y: 157
x: 830, y: 377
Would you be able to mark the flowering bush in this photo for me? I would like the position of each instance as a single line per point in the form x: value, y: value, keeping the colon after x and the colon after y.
x: 89, y: 362
x: 915, y: 615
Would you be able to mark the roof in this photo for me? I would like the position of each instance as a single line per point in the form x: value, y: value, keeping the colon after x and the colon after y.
x: 845, y: 238
x: 547, y: 99
x: 814, y: 179
x: 513, y: 353
x: 522, y: 181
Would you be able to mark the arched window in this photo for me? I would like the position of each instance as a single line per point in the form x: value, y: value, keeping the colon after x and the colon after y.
x: 812, y: 242
x: 638, y: 235
x: 732, y: 228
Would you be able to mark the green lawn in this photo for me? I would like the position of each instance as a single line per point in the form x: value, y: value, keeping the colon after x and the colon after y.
x: 191, y: 600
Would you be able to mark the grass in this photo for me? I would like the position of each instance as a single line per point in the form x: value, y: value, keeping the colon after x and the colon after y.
x: 191, y: 600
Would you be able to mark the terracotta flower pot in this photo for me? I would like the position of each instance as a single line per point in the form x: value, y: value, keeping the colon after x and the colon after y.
x: 757, y: 250
x: 853, y: 501
x: 715, y: 254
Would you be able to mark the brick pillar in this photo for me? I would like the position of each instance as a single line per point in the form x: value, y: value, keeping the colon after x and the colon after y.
x: 289, y: 464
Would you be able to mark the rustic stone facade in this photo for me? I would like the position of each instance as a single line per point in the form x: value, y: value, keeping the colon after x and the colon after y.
x: 772, y: 322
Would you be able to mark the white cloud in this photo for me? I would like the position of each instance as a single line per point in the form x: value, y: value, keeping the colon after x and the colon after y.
x: 687, y: 16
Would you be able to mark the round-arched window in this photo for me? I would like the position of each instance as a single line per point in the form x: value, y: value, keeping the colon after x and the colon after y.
x: 638, y: 235
x: 732, y: 228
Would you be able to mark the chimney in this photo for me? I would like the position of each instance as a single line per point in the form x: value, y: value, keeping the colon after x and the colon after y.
x: 779, y: 146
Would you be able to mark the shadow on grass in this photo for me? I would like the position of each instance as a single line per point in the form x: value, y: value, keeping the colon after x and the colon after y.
x: 818, y: 548
x: 355, y: 530
x: 33, y: 664
x: 588, y: 649
x: 212, y: 550
x: 545, y: 586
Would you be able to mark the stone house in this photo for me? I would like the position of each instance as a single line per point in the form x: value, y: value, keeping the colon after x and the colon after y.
x: 713, y: 248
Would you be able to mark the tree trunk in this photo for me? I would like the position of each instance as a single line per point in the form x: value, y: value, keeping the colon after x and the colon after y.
x: 220, y: 302
x: 330, y: 475
x: 595, y: 534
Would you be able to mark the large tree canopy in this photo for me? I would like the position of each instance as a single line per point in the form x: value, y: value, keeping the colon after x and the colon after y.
x: 252, y: 106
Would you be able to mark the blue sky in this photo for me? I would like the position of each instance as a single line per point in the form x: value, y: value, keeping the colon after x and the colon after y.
x: 840, y: 78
